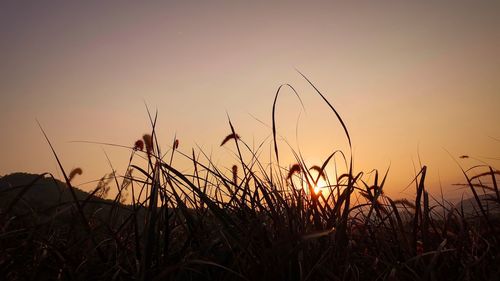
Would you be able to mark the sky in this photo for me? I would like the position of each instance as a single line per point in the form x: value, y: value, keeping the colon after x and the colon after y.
x: 413, y: 80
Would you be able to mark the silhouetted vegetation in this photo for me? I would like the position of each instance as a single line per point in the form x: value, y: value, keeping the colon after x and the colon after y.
x: 252, y: 221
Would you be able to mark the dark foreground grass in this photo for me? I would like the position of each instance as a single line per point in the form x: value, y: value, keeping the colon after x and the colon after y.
x: 254, y: 221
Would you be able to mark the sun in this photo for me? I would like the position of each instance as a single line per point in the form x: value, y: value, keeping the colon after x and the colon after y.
x: 320, y: 186
x: 316, y: 189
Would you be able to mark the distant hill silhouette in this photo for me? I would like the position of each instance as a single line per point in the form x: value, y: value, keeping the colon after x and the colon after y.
x: 43, y: 193
x: 49, y: 198
x: 471, y: 208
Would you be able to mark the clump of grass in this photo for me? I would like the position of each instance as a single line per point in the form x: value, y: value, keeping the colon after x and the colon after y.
x: 261, y: 224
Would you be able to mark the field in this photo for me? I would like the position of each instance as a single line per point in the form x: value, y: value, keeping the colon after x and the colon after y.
x: 256, y: 220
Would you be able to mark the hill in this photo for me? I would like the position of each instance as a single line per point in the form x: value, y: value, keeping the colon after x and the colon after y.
x: 37, y: 191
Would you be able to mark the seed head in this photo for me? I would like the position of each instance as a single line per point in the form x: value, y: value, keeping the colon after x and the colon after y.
x: 139, y: 145
x: 74, y: 172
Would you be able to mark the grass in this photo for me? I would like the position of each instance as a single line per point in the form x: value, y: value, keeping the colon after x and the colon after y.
x: 253, y: 221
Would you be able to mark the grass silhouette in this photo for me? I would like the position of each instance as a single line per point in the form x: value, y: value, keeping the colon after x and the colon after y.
x: 253, y: 221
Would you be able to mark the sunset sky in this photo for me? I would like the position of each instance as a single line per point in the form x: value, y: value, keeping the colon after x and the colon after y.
x: 408, y: 78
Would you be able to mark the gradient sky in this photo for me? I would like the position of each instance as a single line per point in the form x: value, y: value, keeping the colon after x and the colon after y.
x: 408, y: 78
